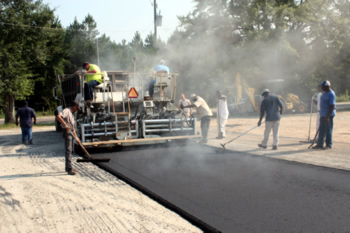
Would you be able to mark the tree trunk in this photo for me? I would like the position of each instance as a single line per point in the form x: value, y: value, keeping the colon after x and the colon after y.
x: 9, y: 108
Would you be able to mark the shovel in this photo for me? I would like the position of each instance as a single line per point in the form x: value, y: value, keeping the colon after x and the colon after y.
x: 223, y: 145
x: 90, y: 158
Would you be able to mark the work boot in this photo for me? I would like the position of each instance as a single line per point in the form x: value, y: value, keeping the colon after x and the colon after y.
x: 72, y: 172
x: 262, y: 146
x: 203, y: 140
x: 317, y: 147
x: 274, y: 147
x: 220, y: 136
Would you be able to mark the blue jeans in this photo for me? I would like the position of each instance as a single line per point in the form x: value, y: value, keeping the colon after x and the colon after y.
x: 89, y: 89
x: 326, y: 132
x: 26, y: 133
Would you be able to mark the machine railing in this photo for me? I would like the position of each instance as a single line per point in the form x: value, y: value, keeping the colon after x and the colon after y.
x: 151, y: 127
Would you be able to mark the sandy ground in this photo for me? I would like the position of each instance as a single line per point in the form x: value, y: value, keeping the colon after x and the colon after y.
x: 294, y: 133
x: 36, y: 195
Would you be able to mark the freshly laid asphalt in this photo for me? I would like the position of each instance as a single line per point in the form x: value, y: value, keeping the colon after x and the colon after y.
x: 237, y: 191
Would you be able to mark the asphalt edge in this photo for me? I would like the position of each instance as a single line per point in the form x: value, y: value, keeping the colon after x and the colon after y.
x: 217, y: 149
x: 192, y: 219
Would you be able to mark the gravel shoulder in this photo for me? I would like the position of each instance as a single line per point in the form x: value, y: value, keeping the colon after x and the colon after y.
x: 36, y: 195
x: 294, y: 133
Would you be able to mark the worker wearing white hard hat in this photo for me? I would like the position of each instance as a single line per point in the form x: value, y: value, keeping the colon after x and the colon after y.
x: 161, y: 67
x: 327, y: 114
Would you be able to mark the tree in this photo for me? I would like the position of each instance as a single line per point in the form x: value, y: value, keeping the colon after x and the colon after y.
x: 80, y: 43
x: 27, y: 45
x: 261, y: 39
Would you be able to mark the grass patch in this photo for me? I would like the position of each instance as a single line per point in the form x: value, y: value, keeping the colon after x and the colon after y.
x: 45, y: 124
x: 343, y: 97
x: 13, y: 126
x: 8, y: 126
x: 38, y: 114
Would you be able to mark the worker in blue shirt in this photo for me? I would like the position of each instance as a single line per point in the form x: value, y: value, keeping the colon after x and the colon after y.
x: 273, y: 107
x: 327, y: 113
x: 161, y: 67
x: 26, y: 115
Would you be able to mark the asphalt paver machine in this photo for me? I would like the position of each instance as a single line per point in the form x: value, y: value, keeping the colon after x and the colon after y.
x: 122, y: 112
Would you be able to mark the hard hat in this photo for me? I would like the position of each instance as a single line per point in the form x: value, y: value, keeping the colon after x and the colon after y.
x: 162, y: 62
x: 193, y: 96
x: 265, y: 91
x: 326, y: 83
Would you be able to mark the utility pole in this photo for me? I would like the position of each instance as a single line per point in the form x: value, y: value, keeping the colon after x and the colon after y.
x: 98, y: 53
x: 155, y: 20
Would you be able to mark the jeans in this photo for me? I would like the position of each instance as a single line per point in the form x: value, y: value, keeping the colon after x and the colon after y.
x: 26, y: 133
x: 68, y: 145
x: 326, y: 132
x: 205, y: 123
x: 89, y: 89
x: 274, y: 125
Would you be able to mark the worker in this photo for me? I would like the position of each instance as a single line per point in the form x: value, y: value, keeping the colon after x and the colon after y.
x: 204, y: 114
x: 26, y: 115
x: 93, y: 79
x: 222, y: 114
x: 151, y: 88
x: 66, y: 119
x: 161, y: 68
x: 273, y: 107
x: 327, y: 113
x: 317, y: 101
x: 185, y: 102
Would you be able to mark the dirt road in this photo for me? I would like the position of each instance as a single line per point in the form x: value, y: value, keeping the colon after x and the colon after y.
x: 36, y: 195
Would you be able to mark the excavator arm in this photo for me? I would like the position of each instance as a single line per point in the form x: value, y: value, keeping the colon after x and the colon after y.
x: 240, y: 85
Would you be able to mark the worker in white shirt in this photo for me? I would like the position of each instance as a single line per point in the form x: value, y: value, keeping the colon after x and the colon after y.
x: 185, y: 102
x: 222, y: 114
x: 318, y: 103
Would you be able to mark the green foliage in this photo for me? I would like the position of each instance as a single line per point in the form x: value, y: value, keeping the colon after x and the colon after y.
x: 263, y: 40
x: 343, y: 97
x: 303, y: 44
x: 30, y: 48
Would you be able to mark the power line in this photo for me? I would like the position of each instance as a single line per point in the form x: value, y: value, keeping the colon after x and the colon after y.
x: 70, y: 29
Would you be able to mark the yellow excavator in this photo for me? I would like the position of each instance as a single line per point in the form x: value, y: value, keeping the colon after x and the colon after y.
x: 291, y: 102
x: 247, y: 106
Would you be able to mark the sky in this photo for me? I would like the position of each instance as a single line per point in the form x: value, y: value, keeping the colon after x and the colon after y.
x: 120, y: 19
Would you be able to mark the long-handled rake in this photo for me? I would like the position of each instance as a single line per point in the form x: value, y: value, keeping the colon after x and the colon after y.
x: 223, y: 145
x: 313, y: 142
x: 90, y: 159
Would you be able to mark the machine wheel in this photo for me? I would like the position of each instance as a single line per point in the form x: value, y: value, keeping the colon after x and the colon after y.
x: 301, y: 108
